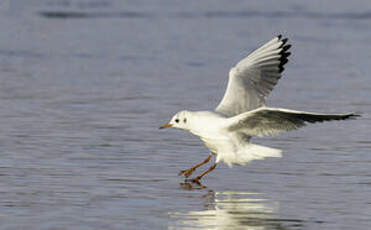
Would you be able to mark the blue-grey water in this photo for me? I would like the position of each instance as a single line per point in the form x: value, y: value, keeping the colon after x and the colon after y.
x: 85, y: 84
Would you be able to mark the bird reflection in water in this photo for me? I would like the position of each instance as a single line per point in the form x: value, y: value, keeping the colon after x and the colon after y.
x: 232, y: 210
x: 192, y: 186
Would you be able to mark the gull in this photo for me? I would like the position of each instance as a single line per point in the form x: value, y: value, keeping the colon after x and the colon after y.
x: 242, y: 113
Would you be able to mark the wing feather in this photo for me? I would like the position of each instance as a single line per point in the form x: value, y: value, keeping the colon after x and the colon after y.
x: 271, y: 121
x: 254, y: 77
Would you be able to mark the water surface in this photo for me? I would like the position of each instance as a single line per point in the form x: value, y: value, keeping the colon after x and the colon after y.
x: 84, y: 86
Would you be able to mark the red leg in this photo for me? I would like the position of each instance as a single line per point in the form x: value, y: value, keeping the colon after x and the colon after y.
x: 196, y: 179
x: 188, y: 172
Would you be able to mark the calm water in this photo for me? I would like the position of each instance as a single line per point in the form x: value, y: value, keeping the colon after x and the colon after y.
x: 84, y: 86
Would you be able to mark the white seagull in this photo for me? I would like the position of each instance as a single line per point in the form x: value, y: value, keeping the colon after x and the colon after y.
x: 241, y: 114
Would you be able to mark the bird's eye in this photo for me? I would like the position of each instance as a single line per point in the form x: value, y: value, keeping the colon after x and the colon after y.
x: 177, y: 120
x: 185, y: 120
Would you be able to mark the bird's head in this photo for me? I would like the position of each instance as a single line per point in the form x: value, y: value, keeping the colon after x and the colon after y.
x: 180, y: 121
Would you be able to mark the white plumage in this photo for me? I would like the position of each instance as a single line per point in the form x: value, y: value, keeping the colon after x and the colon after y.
x: 254, y: 77
x: 242, y: 113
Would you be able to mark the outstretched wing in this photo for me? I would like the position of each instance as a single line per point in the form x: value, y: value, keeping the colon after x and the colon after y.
x: 254, y: 77
x: 270, y: 121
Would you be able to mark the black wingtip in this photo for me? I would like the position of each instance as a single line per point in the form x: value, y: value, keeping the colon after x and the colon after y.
x: 352, y: 116
x: 285, y: 48
x: 279, y: 36
x: 284, y: 61
x: 284, y: 54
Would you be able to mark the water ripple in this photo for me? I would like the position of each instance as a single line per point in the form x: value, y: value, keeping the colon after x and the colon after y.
x: 207, y: 14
